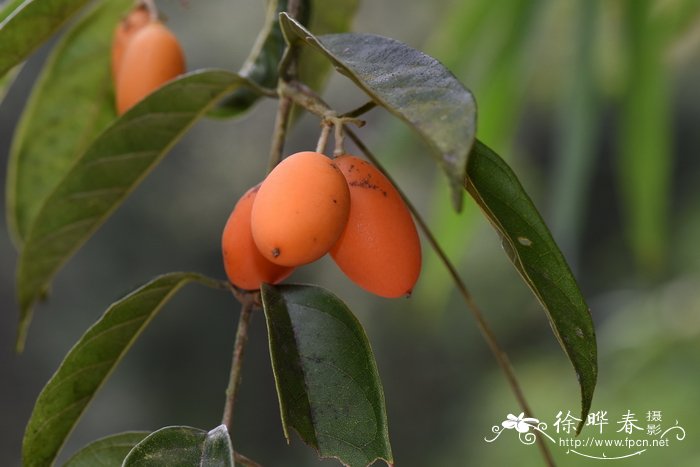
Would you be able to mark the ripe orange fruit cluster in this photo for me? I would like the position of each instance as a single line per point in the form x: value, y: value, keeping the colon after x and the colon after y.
x: 310, y: 205
x: 145, y: 55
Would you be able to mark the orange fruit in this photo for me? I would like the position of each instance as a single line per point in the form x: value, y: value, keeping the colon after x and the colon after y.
x: 152, y: 57
x: 379, y: 249
x: 125, y: 30
x: 245, y: 267
x: 300, y: 210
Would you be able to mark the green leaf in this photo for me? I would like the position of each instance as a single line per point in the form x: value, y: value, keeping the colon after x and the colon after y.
x: 8, y: 8
x: 531, y: 248
x: 65, y: 112
x: 183, y: 446
x: 91, y: 361
x: 106, y: 452
x: 261, y: 66
x: 313, y: 69
x: 106, y: 173
x: 7, y: 80
x: 327, y: 380
x: 645, y: 165
x: 411, y: 85
x: 27, y: 25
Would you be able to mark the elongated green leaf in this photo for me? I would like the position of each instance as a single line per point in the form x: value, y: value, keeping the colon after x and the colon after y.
x: 531, y: 248
x: 106, y: 173
x: 183, y: 446
x: 261, y: 66
x: 408, y: 83
x: 645, y: 165
x: 106, y: 452
x: 29, y: 25
x: 70, y: 104
x: 326, y: 377
x: 90, y: 362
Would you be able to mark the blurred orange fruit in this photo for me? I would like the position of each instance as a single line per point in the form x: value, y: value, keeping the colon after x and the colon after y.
x: 125, y: 30
x: 152, y: 57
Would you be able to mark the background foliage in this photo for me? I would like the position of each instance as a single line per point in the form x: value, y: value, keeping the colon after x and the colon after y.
x: 596, y: 107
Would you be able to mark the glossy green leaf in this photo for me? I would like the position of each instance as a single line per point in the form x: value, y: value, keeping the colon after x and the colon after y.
x: 327, y: 380
x: 106, y: 452
x: 29, y: 25
x: 90, y: 362
x: 531, y: 248
x: 106, y: 173
x: 183, y: 446
x: 411, y: 85
x: 65, y: 112
x: 313, y: 69
x: 261, y: 66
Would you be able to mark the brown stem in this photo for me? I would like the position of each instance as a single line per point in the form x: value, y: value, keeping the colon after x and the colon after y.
x: 482, y: 324
x: 247, y: 303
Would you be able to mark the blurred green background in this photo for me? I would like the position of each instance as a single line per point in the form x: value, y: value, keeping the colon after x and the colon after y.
x: 596, y: 106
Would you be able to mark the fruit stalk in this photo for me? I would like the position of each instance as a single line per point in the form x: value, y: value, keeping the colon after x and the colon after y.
x: 248, y: 304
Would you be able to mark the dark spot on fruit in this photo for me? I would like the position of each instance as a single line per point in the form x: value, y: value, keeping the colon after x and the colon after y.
x: 364, y: 183
x: 335, y: 201
x: 275, y: 252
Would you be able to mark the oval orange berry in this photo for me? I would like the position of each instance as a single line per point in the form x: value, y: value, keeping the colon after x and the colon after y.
x: 125, y: 30
x: 379, y: 249
x: 300, y: 210
x: 152, y: 57
x: 245, y: 267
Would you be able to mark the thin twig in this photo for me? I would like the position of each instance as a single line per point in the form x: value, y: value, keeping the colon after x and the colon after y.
x: 323, y: 138
x: 279, y: 134
x: 482, y: 324
x: 361, y: 110
x: 288, y: 71
x: 339, y: 140
x: 237, y: 360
